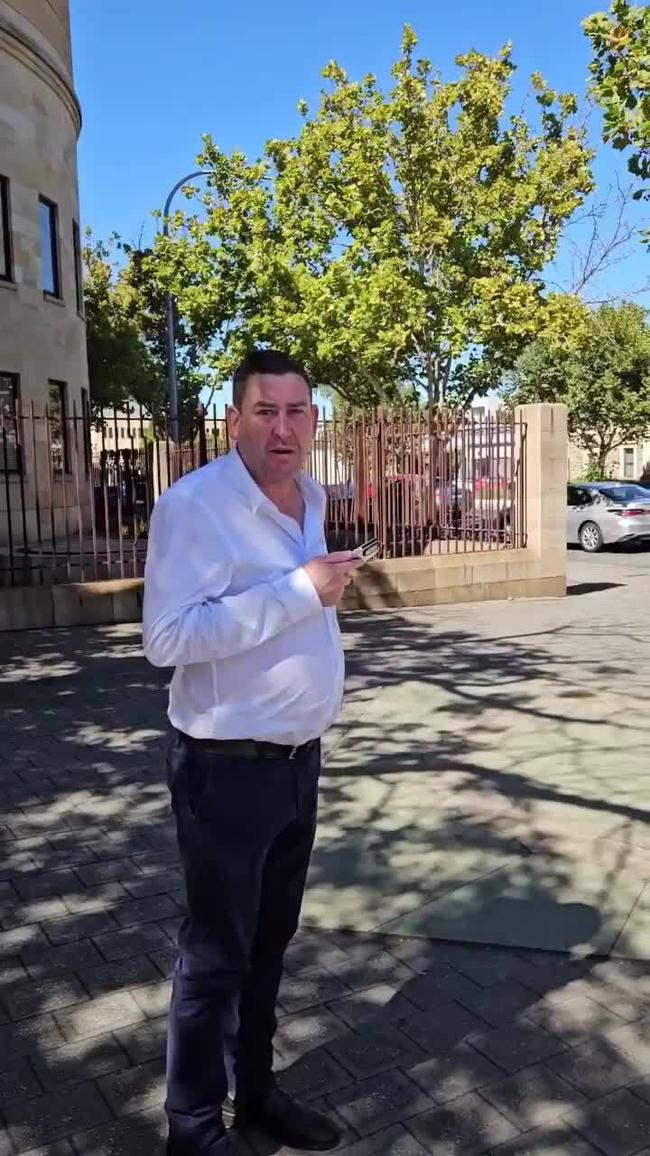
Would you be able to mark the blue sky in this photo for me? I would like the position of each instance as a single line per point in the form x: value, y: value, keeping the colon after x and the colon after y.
x: 153, y: 75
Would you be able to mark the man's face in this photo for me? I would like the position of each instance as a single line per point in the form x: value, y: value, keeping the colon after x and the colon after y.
x: 275, y: 426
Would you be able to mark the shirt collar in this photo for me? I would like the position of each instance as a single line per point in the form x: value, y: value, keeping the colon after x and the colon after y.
x: 249, y: 488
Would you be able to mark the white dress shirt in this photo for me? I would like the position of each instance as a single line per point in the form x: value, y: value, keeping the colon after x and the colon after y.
x: 228, y: 604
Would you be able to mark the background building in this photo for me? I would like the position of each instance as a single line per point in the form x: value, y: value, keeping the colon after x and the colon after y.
x: 42, y: 332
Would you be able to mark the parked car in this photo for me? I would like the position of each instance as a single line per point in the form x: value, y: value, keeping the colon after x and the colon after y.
x: 607, y: 513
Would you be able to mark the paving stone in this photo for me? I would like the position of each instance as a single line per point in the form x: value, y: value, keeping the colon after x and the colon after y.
x: 165, y: 960
x: 379, y: 1003
x: 394, y: 1141
x: 28, y: 1036
x: 154, y: 884
x: 135, y: 1089
x: 72, y: 854
x: 32, y: 911
x: 59, y: 1148
x: 436, y: 1030
x: 124, y: 973
x: 500, y: 1002
x: 145, y: 1041
x: 533, y: 1097
x: 142, y: 1134
x: 153, y: 998
x: 574, y: 1019
x: 517, y: 1046
x: 104, y: 872
x: 307, y: 989
x: 359, y: 971
x: 556, y: 1139
x: 55, y: 1116
x: 98, y: 1015
x: 302, y: 1033
x: 131, y: 941
x: 74, y: 1063
x: 18, y: 1082
x: 632, y: 1039
x: 52, y: 961
x: 104, y: 896
x: 438, y: 987
x: 387, y: 1098
x: 618, y: 1124
x: 78, y: 927
x: 486, y: 966
x: 15, y: 942
x: 597, y: 1067
x: 469, y: 1126
x: 147, y: 910
x: 26, y: 999
x: 374, y: 1051
x: 316, y: 1074
x: 461, y: 1070
x: 41, y: 884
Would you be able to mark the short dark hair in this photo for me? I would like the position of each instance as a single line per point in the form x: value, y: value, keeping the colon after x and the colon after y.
x: 264, y: 361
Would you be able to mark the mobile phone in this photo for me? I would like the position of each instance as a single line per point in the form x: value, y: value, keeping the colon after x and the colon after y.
x: 367, y: 551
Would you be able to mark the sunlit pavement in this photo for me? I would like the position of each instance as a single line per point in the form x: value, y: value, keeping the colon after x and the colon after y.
x: 486, y: 786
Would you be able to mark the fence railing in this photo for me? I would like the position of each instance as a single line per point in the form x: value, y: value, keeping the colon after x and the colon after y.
x: 76, y: 494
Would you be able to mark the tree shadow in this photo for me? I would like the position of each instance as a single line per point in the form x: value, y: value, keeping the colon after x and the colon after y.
x: 91, y: 897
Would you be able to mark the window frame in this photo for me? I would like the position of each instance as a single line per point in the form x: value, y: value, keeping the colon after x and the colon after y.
x: 55, y: 256
x: 5, y: 231
x: 14, y: 471
x: 62, y: 389
x: 629, y: 456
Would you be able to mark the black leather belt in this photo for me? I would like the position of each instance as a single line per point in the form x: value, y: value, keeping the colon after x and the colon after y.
x: 249, y: 749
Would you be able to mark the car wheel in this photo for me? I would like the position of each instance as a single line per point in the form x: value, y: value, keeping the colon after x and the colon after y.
x: 591, y: 538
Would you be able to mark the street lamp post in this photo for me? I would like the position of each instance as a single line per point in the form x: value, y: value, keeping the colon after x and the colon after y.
x: 170, y: 337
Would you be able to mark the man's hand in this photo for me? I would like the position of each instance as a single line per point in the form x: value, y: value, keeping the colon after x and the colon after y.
x: 330, y: 575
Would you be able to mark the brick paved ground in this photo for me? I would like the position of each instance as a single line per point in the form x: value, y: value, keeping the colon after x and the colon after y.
x: 419, y: 1047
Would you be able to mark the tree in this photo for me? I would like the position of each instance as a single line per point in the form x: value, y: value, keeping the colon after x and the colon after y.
x: 620, y: 72
x: 125, y: 326
x: 602, y: 375
x: 397, y: 242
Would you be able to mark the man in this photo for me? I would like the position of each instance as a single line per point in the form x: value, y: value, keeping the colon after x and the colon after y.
x: 240, y: 598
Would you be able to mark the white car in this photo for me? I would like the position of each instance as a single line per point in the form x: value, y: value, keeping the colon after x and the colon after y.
x: 607, y: 513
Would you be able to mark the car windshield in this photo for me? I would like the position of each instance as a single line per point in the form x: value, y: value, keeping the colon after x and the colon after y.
x: 622, y: 495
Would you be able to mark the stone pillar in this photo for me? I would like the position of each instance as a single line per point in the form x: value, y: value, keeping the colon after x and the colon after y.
x: 545, y: 485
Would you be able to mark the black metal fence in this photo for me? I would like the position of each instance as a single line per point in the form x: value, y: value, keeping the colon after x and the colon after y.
x: 76, y: 493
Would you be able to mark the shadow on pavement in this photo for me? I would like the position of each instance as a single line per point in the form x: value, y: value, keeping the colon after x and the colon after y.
x: 391, y: 1032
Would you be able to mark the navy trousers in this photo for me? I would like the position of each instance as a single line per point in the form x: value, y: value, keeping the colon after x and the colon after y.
x: 245, y: 832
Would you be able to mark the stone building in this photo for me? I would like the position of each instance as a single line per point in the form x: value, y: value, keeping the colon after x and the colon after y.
x: 42, y: 332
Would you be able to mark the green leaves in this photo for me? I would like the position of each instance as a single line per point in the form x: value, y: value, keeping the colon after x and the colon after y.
x: 125, y: 327
x: 597, y: 364
x: 620, y: 84
x: 399, y: 237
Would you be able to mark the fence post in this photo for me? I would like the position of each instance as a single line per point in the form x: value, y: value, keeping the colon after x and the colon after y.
x: 546, y: 482
x: 203, y: 445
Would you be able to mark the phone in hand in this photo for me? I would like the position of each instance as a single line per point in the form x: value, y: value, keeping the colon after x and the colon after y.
x: 367, y: 551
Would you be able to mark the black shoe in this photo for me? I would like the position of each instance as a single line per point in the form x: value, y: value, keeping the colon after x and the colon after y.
x: 288, y: 1123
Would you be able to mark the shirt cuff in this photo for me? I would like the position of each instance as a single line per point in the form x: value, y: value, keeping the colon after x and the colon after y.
x: 298, y: 595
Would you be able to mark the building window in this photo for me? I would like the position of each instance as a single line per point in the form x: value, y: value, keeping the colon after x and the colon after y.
x: 6, y: 271
x: 78, y: 271
x: 58, y: 423
x: 85, y: 421
x: 629, y: 462
x: 48, y: 224
x: 9, y: 441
